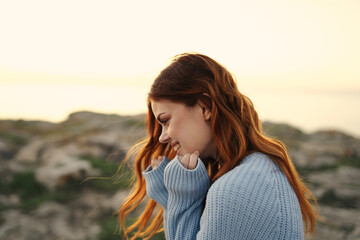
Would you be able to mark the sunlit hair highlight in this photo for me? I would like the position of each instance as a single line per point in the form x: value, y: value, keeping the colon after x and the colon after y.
x: 236, y: 130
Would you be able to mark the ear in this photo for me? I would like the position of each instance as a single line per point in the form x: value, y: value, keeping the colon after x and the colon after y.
x: 205, y: 109
x: 206, y: 113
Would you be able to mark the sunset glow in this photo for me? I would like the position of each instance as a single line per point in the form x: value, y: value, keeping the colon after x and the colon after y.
x: 293, y: 58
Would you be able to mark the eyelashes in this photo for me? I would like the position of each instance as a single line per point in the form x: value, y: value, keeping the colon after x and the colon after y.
x: 163, y: 122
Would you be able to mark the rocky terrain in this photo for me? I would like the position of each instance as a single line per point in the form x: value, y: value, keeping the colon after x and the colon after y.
x: 43, y: 166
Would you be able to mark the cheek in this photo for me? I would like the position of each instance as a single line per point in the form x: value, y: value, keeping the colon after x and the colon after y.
x: 191, y: 135
x: 200, y: 136
x: 178, y: 131
x: 172, y: 131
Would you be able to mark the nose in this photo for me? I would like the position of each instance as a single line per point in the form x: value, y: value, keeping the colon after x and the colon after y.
x: 164, y: 137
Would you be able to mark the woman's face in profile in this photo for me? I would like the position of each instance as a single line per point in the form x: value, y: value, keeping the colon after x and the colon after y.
x: 185, y: 128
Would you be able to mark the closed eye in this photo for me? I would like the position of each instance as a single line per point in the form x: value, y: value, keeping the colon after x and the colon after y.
x: 163, y: 122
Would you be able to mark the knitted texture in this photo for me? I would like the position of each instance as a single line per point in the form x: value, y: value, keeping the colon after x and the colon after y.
x: 155, y: 180
x: 252, y: 201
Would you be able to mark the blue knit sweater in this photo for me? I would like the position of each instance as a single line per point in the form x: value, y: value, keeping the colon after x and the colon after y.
x: 252, y: 201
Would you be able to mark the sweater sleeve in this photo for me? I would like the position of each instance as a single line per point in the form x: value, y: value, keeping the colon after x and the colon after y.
x: 187, y: 190
x: 155, y: 187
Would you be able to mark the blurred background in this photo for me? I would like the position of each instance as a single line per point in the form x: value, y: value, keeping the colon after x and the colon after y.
x: 74, y: 77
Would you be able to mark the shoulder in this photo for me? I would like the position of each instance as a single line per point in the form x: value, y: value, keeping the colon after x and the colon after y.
x: 258, y: 162
x: 254, y: 167
x: 255, y: 175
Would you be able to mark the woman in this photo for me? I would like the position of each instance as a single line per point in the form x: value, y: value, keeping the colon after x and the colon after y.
x: 226, y: 180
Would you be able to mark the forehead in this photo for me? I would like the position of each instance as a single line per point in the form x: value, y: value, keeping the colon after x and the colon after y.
x: 158, y: 107
x: 166, y: 106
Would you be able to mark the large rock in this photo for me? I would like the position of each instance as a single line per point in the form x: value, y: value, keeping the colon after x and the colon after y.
x: 99, y: 203
x: 338, y: 224
x: 49, y: 221
x: 7, y: 150
x: 60, y: 167
x: 325, y: 148
x: 344, y: 181
x: 29, y: 154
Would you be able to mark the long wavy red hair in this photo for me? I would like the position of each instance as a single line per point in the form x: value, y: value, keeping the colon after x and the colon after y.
x: 236, y: 130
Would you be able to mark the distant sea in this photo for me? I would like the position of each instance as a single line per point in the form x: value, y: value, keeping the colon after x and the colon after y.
x: 309, y: 111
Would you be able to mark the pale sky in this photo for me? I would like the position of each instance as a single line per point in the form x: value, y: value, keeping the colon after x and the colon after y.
x: 85, y: 50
